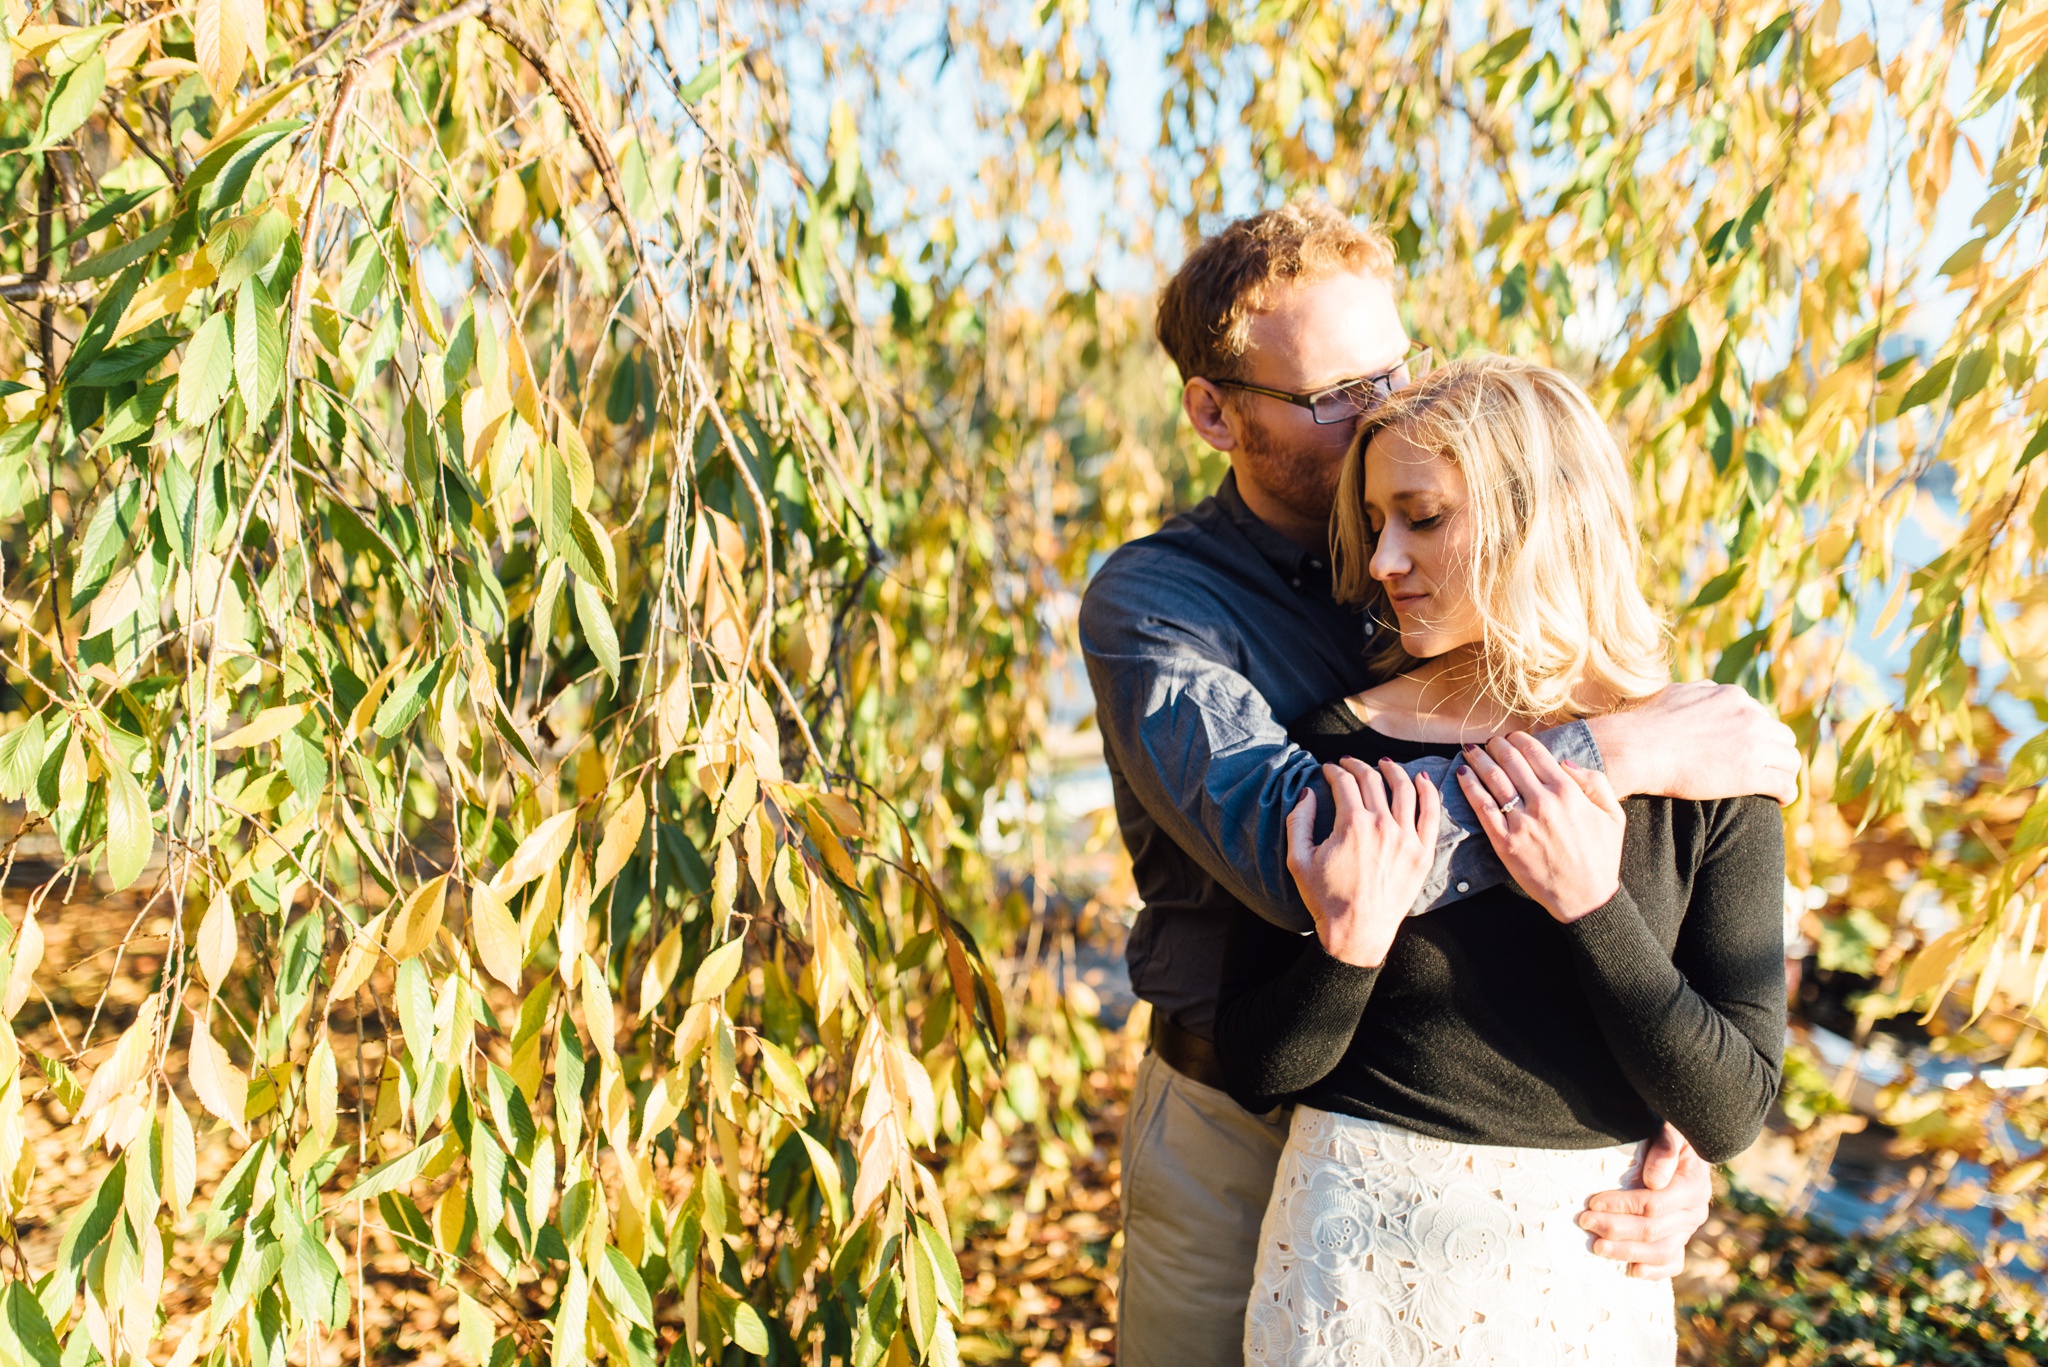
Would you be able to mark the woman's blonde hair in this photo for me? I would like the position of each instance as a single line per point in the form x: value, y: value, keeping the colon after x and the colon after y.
x: 1555, y: 562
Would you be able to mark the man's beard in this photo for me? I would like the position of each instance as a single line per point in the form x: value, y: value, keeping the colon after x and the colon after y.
x: 1305, y: 482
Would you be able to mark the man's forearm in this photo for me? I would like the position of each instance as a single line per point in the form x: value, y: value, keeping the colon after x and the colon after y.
x: 1466, y: 863
x: 1218, y: 774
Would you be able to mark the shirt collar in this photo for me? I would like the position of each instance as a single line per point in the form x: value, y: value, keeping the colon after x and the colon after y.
x: 1298, y: 566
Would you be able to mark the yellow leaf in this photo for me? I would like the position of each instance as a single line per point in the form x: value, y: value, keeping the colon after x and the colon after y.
x: 536, y: 854
x: 692, y: 1034
x: 717, y: 971
x: 418, y: 919
x: 827, y: 1170
x: 499, y: 946
x: 597, y: 1008
x: 366, y: 710
x: 358, y: 961
x: 323, y: 1093
x: 786, y: 1078
x: 450, y: 1213
x: 216, y: 941
x: 220, y: 1086
x: 1931, y: 966
x: 268, y: 724
x: 28, y: 956
x: 163, y: 297
x: 220, y: 44
x: 114, y: 604
x: 526, y: 398
x: 508, y: 206
x: 661, y: 971
x: 828, y: 843
x: 844, y: 816
x: 131, y: 1058
x: 621, y: 838
x: 525, y: 1067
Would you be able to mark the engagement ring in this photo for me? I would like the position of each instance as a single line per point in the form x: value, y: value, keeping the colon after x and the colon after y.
x: 1511, y: 804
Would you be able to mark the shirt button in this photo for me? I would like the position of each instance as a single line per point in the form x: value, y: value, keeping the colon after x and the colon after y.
x: 1464, y: 887
x: 1297, y: 583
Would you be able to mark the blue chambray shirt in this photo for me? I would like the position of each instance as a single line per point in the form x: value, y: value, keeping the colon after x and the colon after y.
x: 1203, y: 640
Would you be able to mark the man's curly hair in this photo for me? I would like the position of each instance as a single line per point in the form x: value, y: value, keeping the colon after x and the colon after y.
x: 1205, y: 311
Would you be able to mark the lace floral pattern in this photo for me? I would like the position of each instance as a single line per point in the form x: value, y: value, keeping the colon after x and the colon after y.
x: 1385, y: 1248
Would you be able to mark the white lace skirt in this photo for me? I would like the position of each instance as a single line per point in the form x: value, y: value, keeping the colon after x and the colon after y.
x: 1385, y: 1248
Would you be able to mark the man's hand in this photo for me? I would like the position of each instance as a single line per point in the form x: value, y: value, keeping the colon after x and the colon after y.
x: 1699, y: 741
x: 1361, y: 881
x: 1648, y: 1227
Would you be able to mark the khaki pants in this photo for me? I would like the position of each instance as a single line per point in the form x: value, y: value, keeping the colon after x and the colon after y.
x: 1197, y: 1172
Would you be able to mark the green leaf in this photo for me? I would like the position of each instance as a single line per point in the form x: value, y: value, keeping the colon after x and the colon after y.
x: 622, y: 398
x: 1502, y: 52
x: 128, y: 362
x: 590, y: 553
x: 259, y: 349
x: 99, y: 327
x: 1972, y: 372
x: 136, y: 417
x: 1717, y: 588
x: 207, y: 370
x: 1681, y: 365
x: 232, y: 165
x: 624, y: 1288
x: 571, y: 1317
x: 1928, y: 387
x: 597, y: 628
x: 313, y: 1281
x: 122, y: 254
x: 30, y: 1328
x: 99, y: 218
x: 707, y: 76
x: 21, y: 754
x: 406, y: 700
x: 398, y: 1172
x: 111, y: 531
x: 951, y: 1292
x: 71, y: 100
x: 1760, y: 47
x: 2035, y: 446
x: 130, y: 836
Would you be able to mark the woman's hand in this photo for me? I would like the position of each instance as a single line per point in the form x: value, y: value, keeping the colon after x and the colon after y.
x: 1361, y: 881
x: 1557, y: 829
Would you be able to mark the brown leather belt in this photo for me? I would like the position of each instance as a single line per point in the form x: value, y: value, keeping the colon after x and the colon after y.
x: 1186, y: 1052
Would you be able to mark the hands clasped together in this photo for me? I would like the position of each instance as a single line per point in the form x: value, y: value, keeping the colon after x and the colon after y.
x: 1556, y: 827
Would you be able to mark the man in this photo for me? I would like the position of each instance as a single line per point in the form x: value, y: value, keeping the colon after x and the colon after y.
x: 1202, y: 640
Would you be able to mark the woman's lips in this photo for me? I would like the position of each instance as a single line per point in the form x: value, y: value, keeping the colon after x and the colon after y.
x: 1404, y: 602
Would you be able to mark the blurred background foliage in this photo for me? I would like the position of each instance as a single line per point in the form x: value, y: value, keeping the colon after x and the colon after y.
x: 551, y: 531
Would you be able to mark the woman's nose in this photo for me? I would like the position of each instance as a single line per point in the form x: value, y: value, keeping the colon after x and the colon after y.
x: 1389, y: 560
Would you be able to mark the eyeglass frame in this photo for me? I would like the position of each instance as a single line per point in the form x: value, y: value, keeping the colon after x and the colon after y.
x: 1381, y: 387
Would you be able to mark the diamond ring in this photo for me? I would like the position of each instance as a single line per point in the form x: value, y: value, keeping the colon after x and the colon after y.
x: 1511, y: 804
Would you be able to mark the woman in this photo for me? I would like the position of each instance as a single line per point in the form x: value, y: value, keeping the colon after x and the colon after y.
x: 1465, y: 1079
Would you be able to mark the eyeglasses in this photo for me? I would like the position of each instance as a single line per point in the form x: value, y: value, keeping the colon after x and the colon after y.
x: 1353, y: 398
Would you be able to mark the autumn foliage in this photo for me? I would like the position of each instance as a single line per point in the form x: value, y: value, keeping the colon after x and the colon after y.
x: 535, y: 589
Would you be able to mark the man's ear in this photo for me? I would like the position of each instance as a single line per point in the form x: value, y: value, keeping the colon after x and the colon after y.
x: 1213, y: 420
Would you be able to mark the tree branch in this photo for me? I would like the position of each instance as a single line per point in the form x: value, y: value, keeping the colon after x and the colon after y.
x: 29, y: 289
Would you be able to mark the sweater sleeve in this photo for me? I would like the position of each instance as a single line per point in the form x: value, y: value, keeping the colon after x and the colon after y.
x: 1287, y: 1012
x: 1700, y: 1031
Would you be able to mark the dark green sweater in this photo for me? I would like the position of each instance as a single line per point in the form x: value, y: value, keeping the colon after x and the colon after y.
x: 1491, y: 1023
